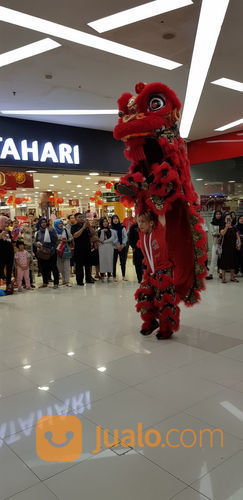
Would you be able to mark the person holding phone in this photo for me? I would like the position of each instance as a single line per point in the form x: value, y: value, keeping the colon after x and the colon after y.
x: 230, y: 242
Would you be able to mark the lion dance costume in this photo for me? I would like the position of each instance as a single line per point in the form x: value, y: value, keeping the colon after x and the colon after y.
x: 159, y: 182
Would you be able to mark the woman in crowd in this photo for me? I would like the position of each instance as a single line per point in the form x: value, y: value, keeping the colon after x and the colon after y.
x: 227, y: 261
x: 216, y: 225
x: 239, y: 264
x: 233, y: 218
x: 45, y: 241
x: 107, y: 239
x: 94, y: 240
x: 27, y: 234
x: 63, y: 259
x: 6, y: 251
x: 120, y: 246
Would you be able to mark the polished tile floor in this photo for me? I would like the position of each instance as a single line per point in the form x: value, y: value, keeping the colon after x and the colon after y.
x: 78, y: 351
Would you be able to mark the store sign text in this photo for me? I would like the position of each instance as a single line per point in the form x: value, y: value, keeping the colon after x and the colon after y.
x: 42, y: 153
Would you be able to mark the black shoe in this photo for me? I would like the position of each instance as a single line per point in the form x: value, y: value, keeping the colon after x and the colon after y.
x: 209, y: 277
x: 90, y: 281
x: 164, y: 336
x: 80, y: 284
x: 153, y: 327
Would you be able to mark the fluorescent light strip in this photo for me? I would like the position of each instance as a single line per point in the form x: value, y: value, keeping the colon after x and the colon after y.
x: 59, y: 112
x: 225, y: 140
x: 229, y: 84
x: 230, y: 125
x: 136, y: 14
x: 76, y: 36
x: 26, y: 51
x: 209, y: 26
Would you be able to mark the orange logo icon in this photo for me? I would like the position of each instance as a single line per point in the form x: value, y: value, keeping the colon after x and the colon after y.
x: 58, y: 438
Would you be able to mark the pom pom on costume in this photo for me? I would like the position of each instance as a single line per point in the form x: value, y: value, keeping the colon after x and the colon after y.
x: 159, y: 182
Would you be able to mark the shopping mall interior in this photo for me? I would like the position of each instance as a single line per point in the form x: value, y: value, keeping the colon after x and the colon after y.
x: 96, y: 401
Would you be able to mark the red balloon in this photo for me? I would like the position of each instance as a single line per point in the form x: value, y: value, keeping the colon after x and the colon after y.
x: 3, y: 191
x: 18, y: 201
x: 9, y: 200
x: 59, y: 200
x: 108, y: 185
x: 51, y: 198
x: 92, y: 198
x: 100, y: 202
x: 25, y: 198
x: 98, y: 193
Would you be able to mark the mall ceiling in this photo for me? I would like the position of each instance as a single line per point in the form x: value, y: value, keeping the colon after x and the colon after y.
x: 85, y: 78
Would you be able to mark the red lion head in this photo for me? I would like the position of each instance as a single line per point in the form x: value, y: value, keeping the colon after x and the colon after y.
x: 153, y: 109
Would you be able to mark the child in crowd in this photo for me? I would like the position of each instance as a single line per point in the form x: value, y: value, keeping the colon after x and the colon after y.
x: 22, y: 262
x: 156, y: 296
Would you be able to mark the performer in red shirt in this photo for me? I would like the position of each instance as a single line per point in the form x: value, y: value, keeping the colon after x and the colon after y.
x: 156, y: 296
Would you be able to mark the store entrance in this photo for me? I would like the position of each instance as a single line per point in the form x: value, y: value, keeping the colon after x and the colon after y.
x: 57, y: 195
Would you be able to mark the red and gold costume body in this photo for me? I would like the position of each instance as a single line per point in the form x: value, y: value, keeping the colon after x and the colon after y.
x: 159, y: 181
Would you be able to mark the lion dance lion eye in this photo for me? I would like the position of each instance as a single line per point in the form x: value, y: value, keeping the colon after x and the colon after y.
x: 156, y: 102
x: 120, y: 114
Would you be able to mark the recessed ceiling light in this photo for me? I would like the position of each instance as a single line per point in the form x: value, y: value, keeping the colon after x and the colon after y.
x: 96, y: 183
x: 59, y: 192
x: 51, y: 185
x: 117, y: 179
x: 229, y: 84
x: 87, y: 189
x: 67, y: 194
x: 80, y: 193
x: 69, y: 182
x: 37, y: 187
x: 87, y: 178
x: 199, y: 179
x: 79, y: 186
x: 230, y: 125
x: 44, y: 388
x: 73, y: 35
x: 94, y: 173
x: 73, y: 191
x: 71, y: 353
x: 37, y: 180
x: 86, y: 195
x: 31, y: 171
x: 93, y: 191
x: 102, y: 369
x: 32, y: 49
x: 75, y: 196
x: 55, y: 176
x: 210, y: 21
x: 231, y: 182
x: 26, y: 367
x: 136, y: 14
